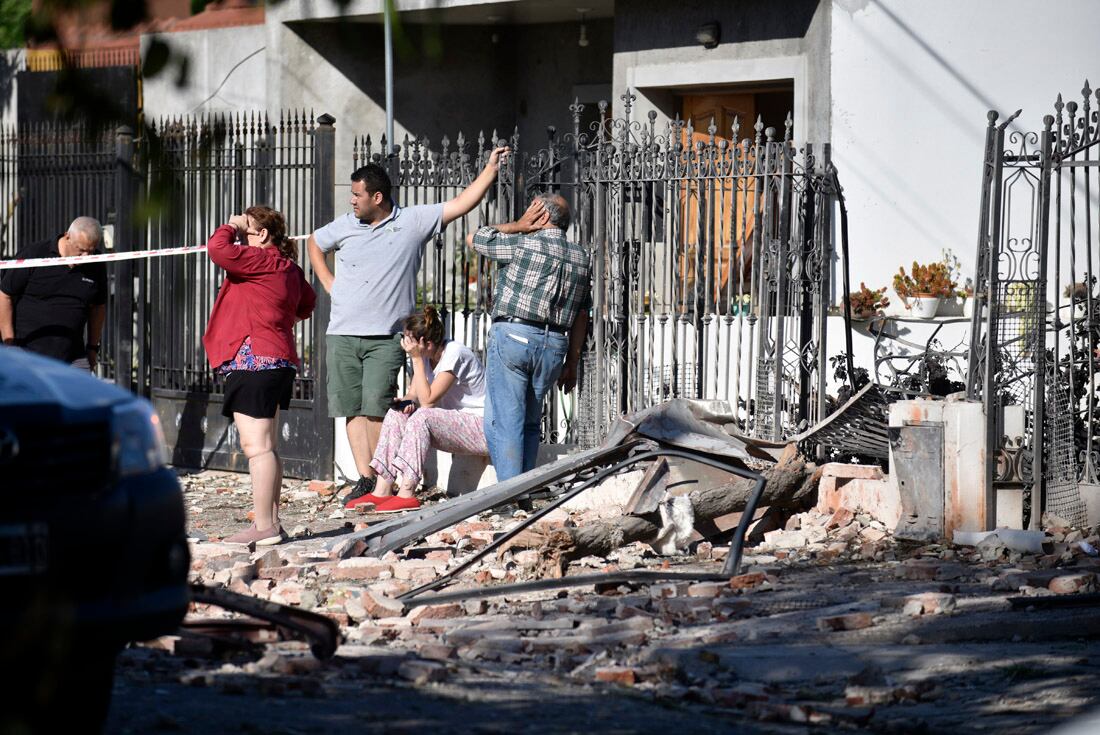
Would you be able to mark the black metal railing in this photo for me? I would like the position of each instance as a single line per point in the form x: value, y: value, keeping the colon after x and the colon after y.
x: 711, y: 255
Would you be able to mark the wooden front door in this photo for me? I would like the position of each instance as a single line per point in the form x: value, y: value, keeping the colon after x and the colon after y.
x: 727, y: 203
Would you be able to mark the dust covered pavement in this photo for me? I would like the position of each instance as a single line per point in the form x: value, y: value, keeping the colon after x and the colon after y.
x: 832, y: 626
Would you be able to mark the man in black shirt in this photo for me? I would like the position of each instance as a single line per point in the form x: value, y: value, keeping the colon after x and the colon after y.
x: 46, y: 309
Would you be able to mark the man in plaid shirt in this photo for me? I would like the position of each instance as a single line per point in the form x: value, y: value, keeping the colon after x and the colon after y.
x: 540, y: 319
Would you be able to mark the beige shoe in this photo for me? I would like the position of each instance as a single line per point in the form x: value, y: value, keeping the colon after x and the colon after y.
x: 253, y: 535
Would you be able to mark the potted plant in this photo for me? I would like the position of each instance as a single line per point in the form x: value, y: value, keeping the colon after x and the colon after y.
x: 966, y: 293
x: 924, y: 287
x: 866, y: 303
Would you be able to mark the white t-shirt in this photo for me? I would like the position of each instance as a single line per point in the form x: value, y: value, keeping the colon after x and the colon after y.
x: 467, y: 393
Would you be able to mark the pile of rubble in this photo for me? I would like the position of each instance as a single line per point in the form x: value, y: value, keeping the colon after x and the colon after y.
x: 820, y: 627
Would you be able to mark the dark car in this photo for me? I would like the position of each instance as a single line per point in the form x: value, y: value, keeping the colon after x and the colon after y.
x: 93, y: 551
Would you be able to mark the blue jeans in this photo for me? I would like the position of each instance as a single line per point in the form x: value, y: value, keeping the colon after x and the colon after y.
x: 522, y: 365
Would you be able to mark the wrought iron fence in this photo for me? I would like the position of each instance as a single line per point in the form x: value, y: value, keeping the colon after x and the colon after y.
x: 47, y: 172
x: 711, y: 257
x: 197, y: 173
x: 1034, y: 345
x: 451, y: 276
x: 50, y: 173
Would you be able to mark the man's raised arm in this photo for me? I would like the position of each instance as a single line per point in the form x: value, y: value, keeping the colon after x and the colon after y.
x: 475, y: 192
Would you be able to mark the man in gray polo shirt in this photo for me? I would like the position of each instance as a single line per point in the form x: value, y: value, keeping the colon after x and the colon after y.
x: 379, y: 246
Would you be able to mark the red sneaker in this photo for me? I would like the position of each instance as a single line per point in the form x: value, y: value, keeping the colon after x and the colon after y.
x: 396, y: 504
x: 369, y: 498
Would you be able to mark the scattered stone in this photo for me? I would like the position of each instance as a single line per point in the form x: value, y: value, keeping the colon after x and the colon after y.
x: 1068, y: 584
x: 360, y: 568
x: 851, y: 621
x: 930, y: 603
x: 422, y: 672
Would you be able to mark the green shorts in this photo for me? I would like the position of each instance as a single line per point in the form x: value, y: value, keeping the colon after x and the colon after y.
x: 362, y: 374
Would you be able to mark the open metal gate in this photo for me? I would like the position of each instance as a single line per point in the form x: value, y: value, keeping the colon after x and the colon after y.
x: 1033, y: 354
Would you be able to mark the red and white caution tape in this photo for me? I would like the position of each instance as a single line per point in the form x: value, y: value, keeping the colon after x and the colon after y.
x: 107, y: 257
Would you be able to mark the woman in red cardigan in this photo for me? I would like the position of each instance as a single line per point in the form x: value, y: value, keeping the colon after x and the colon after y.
x: 250, y: 340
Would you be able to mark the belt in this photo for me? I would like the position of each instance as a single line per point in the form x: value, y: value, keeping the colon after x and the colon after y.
x: 530, y: 323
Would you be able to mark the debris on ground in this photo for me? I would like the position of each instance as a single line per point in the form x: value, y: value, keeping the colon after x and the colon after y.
x: 831, y: 622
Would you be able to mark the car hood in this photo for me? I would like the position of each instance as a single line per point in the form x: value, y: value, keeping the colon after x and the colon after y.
x: 29, y: 379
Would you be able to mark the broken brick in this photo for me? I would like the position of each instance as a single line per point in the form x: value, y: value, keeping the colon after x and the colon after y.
x: 706, y: 589
x: 379, y: 606
x: 1068, y: 584
x: 360, y: 568
x: 279, y: 574
x: 842, y: 517
x: 851, y: 621
x: 930, y: 603
x: 745, y: 581
x: 429, y: 612
x: 323, y: 488
x: 616, y: 675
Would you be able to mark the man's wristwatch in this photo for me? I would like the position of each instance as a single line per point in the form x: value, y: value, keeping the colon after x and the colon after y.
x: 93, y: 347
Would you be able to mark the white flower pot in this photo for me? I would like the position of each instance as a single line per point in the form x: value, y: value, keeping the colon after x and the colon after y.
x: 923, y: 307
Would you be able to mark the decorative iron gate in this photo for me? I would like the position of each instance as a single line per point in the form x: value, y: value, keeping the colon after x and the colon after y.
x: 711, y: 257
x: 1034, y: 347
x: 201, y: 171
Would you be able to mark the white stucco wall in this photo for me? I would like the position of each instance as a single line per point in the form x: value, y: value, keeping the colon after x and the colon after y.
x: 911, y: 85
x: 227, y: 72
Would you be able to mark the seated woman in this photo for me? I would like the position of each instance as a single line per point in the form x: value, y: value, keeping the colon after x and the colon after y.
x: 443, y: 409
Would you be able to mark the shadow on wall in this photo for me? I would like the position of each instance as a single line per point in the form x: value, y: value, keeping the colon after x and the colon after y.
x: 467, y: 87
x: 643, y: 25
x: 467, y: 78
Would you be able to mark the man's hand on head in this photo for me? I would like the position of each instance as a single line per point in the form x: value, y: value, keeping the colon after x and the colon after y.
x: 535, y: 218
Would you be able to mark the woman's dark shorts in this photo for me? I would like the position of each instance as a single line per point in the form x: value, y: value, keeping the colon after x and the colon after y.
x: 257, y: 393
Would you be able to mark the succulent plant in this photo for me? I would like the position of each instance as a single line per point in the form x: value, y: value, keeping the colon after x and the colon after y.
x: 932, y: 280
x: 866, y: 302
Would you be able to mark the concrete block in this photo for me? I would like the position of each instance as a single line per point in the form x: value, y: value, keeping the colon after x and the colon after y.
x: 609, y: 498
x: 1090, y: 496
x: 964, y: 456
x: 848, y: 471
x: 1010, y: 507
x: 878, y: 498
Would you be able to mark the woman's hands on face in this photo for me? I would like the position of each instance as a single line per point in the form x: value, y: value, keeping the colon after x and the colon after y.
x: 413, y: 347
x: 239, y: 221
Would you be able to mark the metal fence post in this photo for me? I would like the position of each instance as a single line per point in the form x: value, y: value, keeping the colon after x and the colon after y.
x: 1039, y: 470
x: 324, y: 210
x: 122, y: 313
